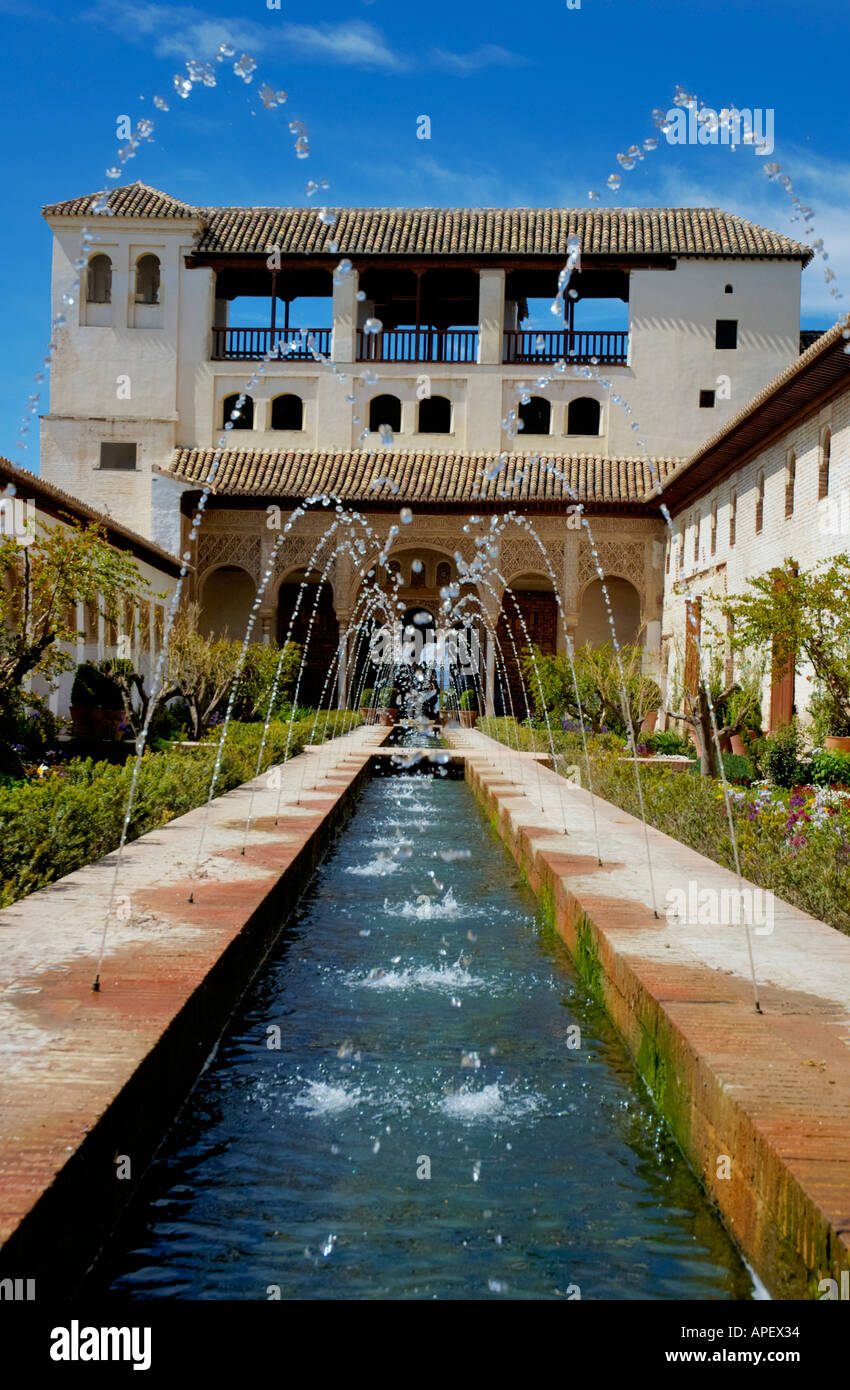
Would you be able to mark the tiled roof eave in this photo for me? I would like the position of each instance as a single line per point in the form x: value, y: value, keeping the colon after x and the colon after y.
x: 436, y: 480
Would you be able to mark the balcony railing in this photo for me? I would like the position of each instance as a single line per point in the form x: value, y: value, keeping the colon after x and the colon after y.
x: 553, y: 345
x: 418, y: 345
x: 249, y: 344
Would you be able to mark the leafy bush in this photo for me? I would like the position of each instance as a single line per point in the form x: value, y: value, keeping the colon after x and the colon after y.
x: 95, y: 687
x: 830, y: 768
x: 669, y: 742
x: 386, y: 696
x: 469, y: 699
x: 738, y: 769
x: 367, y: 696
x: 781, y: 756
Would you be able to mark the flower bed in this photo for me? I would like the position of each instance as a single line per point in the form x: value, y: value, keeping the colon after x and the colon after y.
x: 796, y: 842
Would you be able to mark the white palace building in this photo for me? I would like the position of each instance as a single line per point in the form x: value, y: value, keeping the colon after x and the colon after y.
x: 679, y: 319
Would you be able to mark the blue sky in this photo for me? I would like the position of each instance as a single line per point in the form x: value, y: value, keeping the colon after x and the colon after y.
x: 529, y: 105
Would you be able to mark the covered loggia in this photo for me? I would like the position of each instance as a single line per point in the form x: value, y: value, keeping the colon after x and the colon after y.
x: 594, y: 627
x: 257, y: 306
x: 306, y: 615
x: 425, y: 315
x: 227, y: 594
x: 528, y: 616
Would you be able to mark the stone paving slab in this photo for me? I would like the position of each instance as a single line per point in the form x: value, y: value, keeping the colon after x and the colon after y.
x: 769, y: 1090
x: 88, y: 1076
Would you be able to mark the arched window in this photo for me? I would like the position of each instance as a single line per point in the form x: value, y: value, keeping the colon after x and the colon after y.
x: 147, y: 279
x: 727, y: 289
x: 790, y: 481
x: 714, y: 529
x: 385, y: 410
x: 435, y: 415
x: 444, y: 572
x: 733, y: 518
x: 241, y: 408
x: 287, y: 413
x: 584, y: 416
x: 536, y: 416
x: 697, y: 529
x: 760, y: 503
x: 823, y: 464
x: 99, y: 280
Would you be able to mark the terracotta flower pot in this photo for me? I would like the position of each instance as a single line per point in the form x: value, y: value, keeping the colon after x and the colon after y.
x: 107, y: 723
x: 369, y: 715
x: 468, y: 718
x: 388, y: 717
x: 738, y: 747
x: 649, y: 722
x: 82, y: 721
x: 837, y: 743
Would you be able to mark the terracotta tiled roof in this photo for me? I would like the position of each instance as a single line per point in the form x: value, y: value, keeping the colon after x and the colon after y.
x: 53, y: 500
x: 475, y: 232
x: 425, y: 478
x: 133, y: 200
x: 801, y: 386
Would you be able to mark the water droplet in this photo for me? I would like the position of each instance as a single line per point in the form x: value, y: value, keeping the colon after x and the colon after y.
x: 245, y: 67
x: 372, y: 326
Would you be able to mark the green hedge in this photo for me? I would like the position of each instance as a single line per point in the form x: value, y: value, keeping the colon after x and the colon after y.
x: 50, y: 828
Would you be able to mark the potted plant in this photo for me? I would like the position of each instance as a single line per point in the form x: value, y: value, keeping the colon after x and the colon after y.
x: 742, y: 712
x: 367, y: 705
x: 387, y: 713
x: 97, y: 710
x: 445, y: 706
x: 468, y: 708
x: 830, y: 725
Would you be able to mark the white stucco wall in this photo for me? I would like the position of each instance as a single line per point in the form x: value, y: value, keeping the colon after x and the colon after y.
x: 814, y: 532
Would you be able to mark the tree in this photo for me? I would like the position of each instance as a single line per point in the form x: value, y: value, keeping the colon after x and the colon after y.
x: 549, y: 680
x: 736, y: 704
x: 43, y: 582
x: 800, y: 617
x: 200, y: 671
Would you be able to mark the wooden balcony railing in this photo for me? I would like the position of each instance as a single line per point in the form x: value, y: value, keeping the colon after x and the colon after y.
x: 249, y: 344
x: 418, y: 345
x: 552, y: 345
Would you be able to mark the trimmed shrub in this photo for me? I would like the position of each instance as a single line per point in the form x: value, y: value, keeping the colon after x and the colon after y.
x: 52, y: 827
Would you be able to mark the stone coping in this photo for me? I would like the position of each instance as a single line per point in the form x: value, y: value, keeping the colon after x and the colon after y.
x: 764, y: 1095
x: 91, y: 1078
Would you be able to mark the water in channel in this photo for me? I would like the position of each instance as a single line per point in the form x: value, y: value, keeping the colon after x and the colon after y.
x: 425, y: 1018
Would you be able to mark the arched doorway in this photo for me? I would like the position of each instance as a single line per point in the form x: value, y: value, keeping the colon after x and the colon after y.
x: 320, y: 653
x: 226, y: 598
x: 594, y: 629
x: 528, y: 615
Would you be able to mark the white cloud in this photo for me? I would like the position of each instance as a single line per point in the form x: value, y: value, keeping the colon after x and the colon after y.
x: 489, y: 55
x: 183, y: 31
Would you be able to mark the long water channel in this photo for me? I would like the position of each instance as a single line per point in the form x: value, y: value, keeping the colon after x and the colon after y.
x: 417, y: 1099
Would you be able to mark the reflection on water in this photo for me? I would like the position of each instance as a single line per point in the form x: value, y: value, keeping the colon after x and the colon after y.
x: 396, y: 1110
